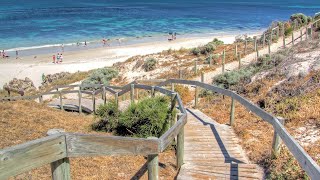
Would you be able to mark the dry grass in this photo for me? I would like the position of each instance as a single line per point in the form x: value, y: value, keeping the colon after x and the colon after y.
x: 23, y: 121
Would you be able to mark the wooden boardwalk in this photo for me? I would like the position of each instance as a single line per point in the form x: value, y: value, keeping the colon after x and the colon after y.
x: 212, y: 151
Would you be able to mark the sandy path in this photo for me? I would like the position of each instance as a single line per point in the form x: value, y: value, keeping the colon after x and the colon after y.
x: 250, y: 57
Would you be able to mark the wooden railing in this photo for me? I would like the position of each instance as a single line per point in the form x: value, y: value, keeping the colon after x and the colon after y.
x: 57, y: 148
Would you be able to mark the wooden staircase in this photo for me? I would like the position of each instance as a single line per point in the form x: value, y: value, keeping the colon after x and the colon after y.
x: 212, y: 152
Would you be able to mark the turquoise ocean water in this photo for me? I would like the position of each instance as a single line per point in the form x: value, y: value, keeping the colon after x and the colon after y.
x: 44, y: 23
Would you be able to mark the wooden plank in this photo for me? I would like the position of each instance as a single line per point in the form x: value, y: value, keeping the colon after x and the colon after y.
x: 141, y: 86
x: 24, y: 157
x: 168, y: 136
x: 110, y: 90
x: 163, y: 91
x: 79, y: 145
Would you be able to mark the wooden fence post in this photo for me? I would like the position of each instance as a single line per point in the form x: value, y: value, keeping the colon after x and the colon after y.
x: 116, y: 99
x: 255, y: 43
x: 301, y: 35
x: 132, y: 93
x: 202, y: 77
x: 239, y: 59
x: 223, y: 59
x: 153, y: 165
x: 310, y: 33
x: 245, y: 47
x: 306, y: 33
x: 172, y: 87
x: 196, y: 67
x: 284, y: 39
x: 236, y: 50
x: 61, y: 103
x: 196, y: 94
x: 104, y: 97
x: 173, y: 105
x: 292, y: 38
x: 40, y: 99
x: 93, y: 102
x: 269, y: 49
x: 180, y: 146
x: 80, y: 105
x: 264, y: 39
x: 276, y: 141
x: 137, y: 94
x: 257, y: 53
x: 271, y: 36
x: 152, y: 91
x: 60, y: 169
x: 278, y: 31
x: 232, y: 112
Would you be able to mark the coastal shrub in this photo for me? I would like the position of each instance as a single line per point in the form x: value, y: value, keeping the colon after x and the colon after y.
x: 206, y: 49
x: 216, y: 42
x: 213, y: 57
x: 288, y: 31
x: 149, y: 117
x: 146, y: 118
x: 300, y: 18
x: 150, y: 64
x: 101, y: 76
x: 108, y: 114
x: 195, y: 51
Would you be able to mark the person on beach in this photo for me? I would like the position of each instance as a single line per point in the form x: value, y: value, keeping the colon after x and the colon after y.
x: 104, y: 41
x: 58, y: 58
x: 61, y: 58
x: 62, y: 47
x: 17, y: 54
x: 85, y: 43
x: 54, y: 59
x: 2, y: 53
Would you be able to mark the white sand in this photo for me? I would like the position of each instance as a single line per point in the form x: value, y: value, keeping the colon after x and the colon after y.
x: 89, y: 59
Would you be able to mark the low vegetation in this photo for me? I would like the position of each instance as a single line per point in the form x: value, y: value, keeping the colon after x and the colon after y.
x: 149, y: 117
x: 150, y: 64
x: 101, y: 76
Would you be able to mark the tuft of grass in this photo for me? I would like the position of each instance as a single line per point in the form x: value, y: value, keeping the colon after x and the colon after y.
x: 150, y: 64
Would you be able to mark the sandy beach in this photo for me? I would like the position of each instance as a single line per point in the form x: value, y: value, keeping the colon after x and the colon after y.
x: 87, y: 59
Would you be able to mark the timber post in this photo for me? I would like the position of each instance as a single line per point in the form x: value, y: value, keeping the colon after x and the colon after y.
x: 80, y: 96
x: 202, y: 77
x: 236, y: 50
x: 173, y: 105
x: 255, y: 43
x: 301, y: 35
x: 180, y: 146
x: 116, y: 99
x: 306, y: 33
x: 292, y: 38
x: 245, y: 47
x: 40, y: 99
x: 93, y: 102
x: 104, y: 97
x: 60, y: 169
x: 152, y: 91
x: 232, y: 112
x: 61, y: 103
x: 239, y: 59
x: 153, y: 165
x: 172, y: 87
x: 284, y: 36
x: 223, y: 59
x: 132, y: 93
x: 276, y: 141
x: 269, y: 49
x: 180, y: 74
x: 278, y: 32
x: 196, y: 94
x: 264, y: 39
x: 196, y: 67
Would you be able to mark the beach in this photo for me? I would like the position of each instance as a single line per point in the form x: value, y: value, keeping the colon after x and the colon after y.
x: 87, y: 59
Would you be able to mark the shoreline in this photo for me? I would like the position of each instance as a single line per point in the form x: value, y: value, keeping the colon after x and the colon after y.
x: 88, y: 59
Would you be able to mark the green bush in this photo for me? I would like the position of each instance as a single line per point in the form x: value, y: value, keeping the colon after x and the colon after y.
x: 195, y: 51
x: 216, y: 42
x: 146, y: 118
x: 150, y: 64
x: 288, y: 31
x: 101, y: 76
x: 206, y: 49
x: 300, y: 18
x: 213, y: 57
x: 108, y: 115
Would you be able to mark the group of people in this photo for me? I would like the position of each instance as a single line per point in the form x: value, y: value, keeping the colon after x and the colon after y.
x: 3, y: 54
x: 57, y: 59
